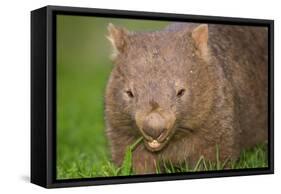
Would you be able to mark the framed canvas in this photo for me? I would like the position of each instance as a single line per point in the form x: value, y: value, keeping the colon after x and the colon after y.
x: 125, y: 96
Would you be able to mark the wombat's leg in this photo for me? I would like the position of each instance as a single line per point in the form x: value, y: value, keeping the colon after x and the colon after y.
x: 225, y: 147
x: 119, y: 143
x: 117, y: 156
x: 144, y: 162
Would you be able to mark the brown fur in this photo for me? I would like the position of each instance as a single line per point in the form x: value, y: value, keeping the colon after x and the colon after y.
x: 223, y: 71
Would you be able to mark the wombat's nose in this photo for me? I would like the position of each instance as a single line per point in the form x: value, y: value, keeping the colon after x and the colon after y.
x: 154, y: 125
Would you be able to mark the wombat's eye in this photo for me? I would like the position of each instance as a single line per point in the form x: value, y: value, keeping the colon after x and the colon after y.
x: 180, y: 92
x: 130, y: 93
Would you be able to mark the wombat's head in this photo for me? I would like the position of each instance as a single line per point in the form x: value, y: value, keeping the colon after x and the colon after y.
x: 153, y: 79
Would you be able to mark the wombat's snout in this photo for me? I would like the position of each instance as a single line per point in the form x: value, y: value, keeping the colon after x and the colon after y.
x: 156, y: 128
x: 154, y: 125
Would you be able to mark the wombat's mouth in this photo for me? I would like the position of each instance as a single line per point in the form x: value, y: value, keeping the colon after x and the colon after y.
x: 155, y: 145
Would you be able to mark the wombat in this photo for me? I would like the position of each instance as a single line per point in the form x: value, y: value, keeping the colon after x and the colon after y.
x: 188, y: 90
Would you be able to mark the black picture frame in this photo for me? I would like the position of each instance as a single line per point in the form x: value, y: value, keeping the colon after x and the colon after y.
x: 43, y: 95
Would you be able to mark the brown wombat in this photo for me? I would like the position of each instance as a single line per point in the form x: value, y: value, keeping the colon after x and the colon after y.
x: 186, y: 90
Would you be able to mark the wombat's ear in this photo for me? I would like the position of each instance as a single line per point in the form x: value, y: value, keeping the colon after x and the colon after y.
x: 200, y: 37
x: 117, y: 37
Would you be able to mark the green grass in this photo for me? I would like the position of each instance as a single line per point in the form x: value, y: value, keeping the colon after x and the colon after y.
x: 83, y: 67
x: 251, y: 158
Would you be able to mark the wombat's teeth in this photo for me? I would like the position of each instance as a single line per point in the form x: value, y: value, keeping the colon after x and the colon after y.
x: 154, y: 144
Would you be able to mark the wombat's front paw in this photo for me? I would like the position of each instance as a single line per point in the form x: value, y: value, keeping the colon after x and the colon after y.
x: 144, y: 162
